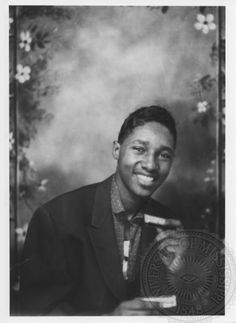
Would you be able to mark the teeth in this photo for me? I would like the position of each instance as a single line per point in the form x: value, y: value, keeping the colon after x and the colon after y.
x: 145, y: 180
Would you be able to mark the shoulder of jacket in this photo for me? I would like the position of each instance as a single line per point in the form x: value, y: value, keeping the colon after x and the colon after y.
x: 70, y: 204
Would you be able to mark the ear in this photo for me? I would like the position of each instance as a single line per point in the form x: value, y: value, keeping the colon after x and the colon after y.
x: 116, y: 150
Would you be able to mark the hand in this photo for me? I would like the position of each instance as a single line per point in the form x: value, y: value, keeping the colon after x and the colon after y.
x: 135, y: 306
x: 172, y: 244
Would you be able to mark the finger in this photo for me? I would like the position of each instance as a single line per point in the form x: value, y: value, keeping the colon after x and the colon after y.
x: 176, y: 263
x: 149, y: 308
x: 159, y: 230
x: 162, y: 235
x: 169, y: 242
x: 174, y: 249
x: 142, y: 304
x: 134, y: 307
x: 161, y: 301
x: 138, y: 304
x: 171, y: 249
x: 133, y: 304
x: 166, y: 234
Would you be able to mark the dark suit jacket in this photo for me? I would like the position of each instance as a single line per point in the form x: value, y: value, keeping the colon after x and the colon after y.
x: 71, y: 262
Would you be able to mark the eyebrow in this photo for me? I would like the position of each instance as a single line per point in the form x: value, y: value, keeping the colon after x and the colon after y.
x: 163, y: 147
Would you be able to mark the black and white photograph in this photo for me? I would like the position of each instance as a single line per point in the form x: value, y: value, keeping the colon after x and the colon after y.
x: 117, y: 161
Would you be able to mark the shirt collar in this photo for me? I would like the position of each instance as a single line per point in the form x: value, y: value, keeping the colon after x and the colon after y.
x: 116, y: 204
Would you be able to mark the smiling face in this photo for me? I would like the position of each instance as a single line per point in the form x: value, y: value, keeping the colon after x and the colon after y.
x: 144, y: 160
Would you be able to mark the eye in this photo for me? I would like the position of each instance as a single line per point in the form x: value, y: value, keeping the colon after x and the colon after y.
x: 139, y: 149
x: 165, y: 156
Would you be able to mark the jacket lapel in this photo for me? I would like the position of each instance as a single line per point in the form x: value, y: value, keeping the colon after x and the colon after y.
x: 102, y: 235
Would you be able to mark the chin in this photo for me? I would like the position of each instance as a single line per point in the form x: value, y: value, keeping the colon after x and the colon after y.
x: 144, y: 193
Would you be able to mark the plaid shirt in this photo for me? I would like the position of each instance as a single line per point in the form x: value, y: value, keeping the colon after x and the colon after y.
x: 126, y: 230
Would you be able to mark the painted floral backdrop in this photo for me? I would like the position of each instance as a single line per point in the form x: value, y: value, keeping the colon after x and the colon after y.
x: 76, y: 73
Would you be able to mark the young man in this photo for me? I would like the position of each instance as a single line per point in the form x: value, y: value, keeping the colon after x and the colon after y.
x: 83, y: 249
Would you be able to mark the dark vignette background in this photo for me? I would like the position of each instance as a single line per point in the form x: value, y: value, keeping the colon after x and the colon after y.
x: 77, y: 72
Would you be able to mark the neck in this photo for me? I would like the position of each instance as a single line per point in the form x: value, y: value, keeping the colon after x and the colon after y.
x: 130, y: 202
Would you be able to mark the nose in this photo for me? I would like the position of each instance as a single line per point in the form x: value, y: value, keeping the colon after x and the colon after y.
x: 150, y: 163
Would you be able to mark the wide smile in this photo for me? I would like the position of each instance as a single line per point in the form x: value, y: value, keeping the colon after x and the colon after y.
x: 145, y: 180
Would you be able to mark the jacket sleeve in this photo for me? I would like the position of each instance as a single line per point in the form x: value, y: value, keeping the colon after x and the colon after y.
x: 45, y: 282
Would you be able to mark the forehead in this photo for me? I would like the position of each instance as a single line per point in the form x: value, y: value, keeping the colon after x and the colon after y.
x: 151, y: 132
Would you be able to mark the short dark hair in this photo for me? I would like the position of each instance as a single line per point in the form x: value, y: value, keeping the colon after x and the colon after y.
x: 147, y: 114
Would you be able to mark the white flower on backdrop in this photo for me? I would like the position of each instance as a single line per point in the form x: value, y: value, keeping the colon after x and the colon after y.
x: 202, y: 107
x: 205, y: 23
x: 25, y: 40
x: 23, y: 73
x: 42, y: 185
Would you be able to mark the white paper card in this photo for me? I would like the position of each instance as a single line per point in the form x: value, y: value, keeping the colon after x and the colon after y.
x: 154, y: 219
